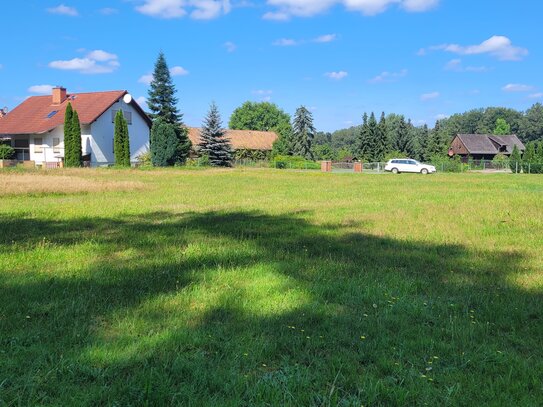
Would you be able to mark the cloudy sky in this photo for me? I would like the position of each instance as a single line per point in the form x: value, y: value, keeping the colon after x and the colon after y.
x: 426, y: 59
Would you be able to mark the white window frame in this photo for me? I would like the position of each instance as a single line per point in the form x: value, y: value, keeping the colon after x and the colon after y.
x: 38, y: 147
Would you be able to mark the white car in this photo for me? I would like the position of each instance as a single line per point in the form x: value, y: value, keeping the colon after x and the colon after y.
x: 398, y: 165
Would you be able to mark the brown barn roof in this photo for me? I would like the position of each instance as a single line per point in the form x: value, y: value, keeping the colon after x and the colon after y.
x: 490, y: 144
x: 242, y: 139
x: 37, y: 115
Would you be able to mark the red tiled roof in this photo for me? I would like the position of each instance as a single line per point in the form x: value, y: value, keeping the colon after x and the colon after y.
x: 242, y: 139
x: 31, y: 116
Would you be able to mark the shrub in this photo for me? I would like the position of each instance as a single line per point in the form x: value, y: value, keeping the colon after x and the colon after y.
x: 446, y: 164
x: 6, y: 152
x: 144, y: 159
x: 500, y: 162
x: 516, y: 161
x: 294, y: 162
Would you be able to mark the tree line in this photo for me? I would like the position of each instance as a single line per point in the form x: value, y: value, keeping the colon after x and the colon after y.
x: 396, y: 135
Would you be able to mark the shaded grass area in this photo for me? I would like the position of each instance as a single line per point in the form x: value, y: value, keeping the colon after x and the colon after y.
x: 249, y: 306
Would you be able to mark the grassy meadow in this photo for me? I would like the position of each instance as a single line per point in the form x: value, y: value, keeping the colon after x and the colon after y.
x: 270, y: 288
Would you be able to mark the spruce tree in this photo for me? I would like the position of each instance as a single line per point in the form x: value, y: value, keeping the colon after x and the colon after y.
x: 438, y: 143
x: 303, y: 133
x: 164, y: 143
x: 163, y: 104
x: 121, y: 143
x: 369, y: 150
x: 381, y: 140
x: 72, y: 146
x: 162, y: 101
x: 67, y: 130
x: 402, y: 139
x: 422, y: 141
x: 213, y: 141
x: 362, y: 140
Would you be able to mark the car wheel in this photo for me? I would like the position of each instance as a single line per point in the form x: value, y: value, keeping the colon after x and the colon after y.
x: 424, y: 171
x: 395, y: 171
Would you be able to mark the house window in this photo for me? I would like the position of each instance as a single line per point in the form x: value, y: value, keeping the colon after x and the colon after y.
x: 22, y: 143
x: 56, y: 145
x: 127, y: 116
x: 38, y: 145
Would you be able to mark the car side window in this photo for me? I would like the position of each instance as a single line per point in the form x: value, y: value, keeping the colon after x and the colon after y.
x: 412, y: 162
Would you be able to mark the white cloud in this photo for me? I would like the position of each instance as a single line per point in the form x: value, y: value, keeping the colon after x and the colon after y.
x: 230, y: 46
x: 325, y: 38
x: 101, y: 56
x: 63, y: 10
x: 286, y: 9
x: 94, y: 62
x: 264, y: 94
x: 457, y: 66
x: 517, y: 87
x: 538, y: 95
x: 198, y: 9
x: 289, y: 42
x: 285, y: 42
x: 497, y: 46
x: 142, y: 101
x: 41, y: 89
x: 174, y: 71
x: 389, y: 76
x: 429, y: 96
x: 108, y: 11
x: 146, y: 79
x: 178, y: 71
x: 339, y: 75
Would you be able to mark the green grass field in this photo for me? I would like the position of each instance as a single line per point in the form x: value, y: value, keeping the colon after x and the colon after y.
x: 270, y: 288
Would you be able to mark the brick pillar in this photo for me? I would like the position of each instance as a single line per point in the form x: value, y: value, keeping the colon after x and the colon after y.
x: 326, y: 166
x: 358, y: 167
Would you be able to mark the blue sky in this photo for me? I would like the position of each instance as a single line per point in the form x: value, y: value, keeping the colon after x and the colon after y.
x: 422, y: 58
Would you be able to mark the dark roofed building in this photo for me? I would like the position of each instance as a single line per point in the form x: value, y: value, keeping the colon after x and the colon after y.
x: 484, y: 146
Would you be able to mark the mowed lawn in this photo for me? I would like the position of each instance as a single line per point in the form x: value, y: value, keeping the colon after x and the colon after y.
x: 270, y: 288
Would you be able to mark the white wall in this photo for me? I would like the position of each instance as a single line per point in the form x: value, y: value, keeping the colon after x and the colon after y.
x: 102, y: 131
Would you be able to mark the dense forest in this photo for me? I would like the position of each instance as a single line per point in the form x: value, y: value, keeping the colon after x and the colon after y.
x: 392, y: 134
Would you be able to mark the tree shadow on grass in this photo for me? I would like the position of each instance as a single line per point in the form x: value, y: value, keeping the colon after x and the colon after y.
x: 247, y: 308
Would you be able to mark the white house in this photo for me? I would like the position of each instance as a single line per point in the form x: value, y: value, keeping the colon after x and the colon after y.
x: 36, y: 126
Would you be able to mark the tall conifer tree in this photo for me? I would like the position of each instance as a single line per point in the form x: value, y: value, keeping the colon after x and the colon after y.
x: 402, y: 139
x: 163, y: 104
x: 121, y: 142
x: 303, y: 133
x: 213, y: 141
x: 67, y: 131
x: 381, y: 140
x: 72, y: 140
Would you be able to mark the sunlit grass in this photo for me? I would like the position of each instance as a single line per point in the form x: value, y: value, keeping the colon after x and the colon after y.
x: 265, y: 287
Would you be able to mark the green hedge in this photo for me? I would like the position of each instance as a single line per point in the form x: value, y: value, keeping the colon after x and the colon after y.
x: 294, y: 163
